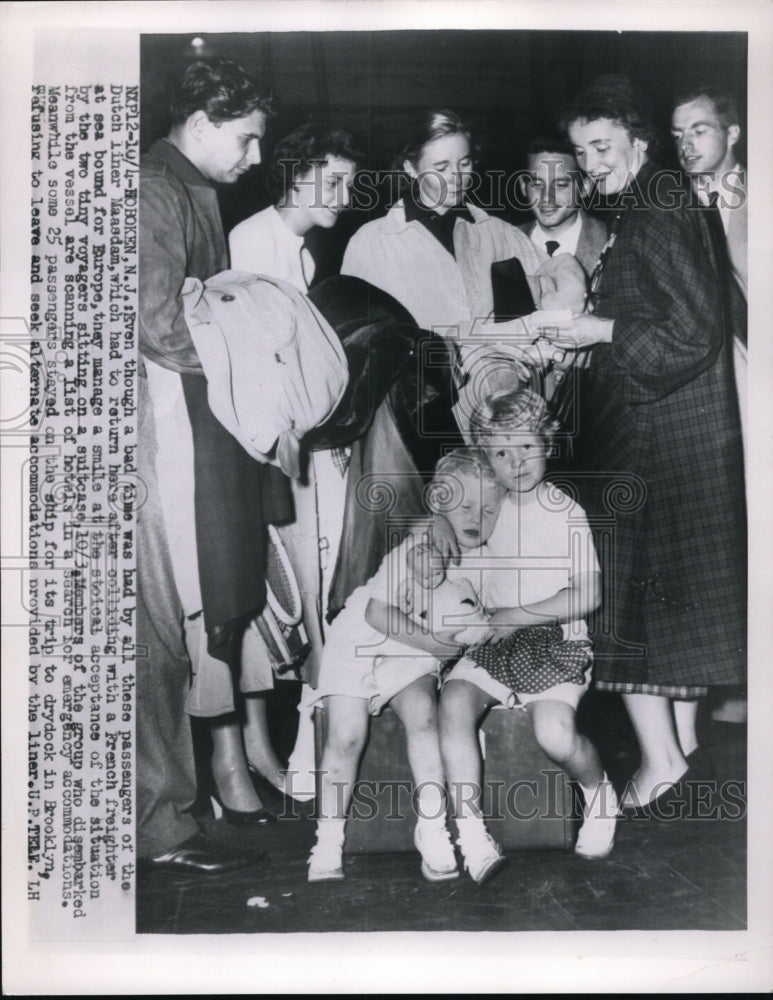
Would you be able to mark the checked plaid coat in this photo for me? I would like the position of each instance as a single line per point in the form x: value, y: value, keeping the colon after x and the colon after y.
x: 659, y: 462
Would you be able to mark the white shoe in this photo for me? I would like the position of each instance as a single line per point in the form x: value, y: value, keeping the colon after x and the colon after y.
x: 438, y: 861
x: 483, y: 856
x: 326, y: 861
x: 299, y: 785
x: 597, y: 833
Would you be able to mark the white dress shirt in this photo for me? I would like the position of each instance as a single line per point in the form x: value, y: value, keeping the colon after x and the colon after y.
x: 567, y: 240
x: 264, y: 244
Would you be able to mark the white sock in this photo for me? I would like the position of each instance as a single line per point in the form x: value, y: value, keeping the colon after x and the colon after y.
x: 302, y: 756
x: 469, y: 825
x: 600, y: 799
x: 330, y: 831
x: 431, y: 803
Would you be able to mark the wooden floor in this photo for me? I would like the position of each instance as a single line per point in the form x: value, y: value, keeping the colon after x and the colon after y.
x: 682, y: 874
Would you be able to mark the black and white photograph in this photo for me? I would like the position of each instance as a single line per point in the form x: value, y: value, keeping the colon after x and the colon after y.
x: 385, y: 444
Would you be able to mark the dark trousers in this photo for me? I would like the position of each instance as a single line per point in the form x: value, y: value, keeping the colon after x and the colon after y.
x: 166, y: 779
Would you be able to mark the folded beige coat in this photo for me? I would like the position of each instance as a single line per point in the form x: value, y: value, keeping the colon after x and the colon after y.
x: 275, y: 368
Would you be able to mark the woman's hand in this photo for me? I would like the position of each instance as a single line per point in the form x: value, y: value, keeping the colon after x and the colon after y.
x: 580, y: 331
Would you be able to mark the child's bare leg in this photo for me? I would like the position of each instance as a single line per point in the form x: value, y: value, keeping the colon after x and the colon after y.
x: 347, y: 731
x: 556, y: 732
x: 416, y: 707
x: 462, y: 706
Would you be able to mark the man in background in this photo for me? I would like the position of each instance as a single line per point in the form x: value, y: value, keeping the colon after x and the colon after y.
x: 551, y: 185
x: 706, y: 130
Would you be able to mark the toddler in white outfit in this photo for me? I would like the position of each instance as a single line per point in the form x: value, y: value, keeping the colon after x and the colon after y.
x: 386, y: 647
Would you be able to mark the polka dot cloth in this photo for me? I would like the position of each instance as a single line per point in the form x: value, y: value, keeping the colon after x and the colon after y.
x: 532, y: 660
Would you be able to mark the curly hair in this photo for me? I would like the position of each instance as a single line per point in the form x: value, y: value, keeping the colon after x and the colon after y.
x: 511, y: 411
x: 615, y: 97
x: 221, y: 89
x: 445, y: 490
x: 557, y: 144
x: 467, y: 461
x: 305, y: 147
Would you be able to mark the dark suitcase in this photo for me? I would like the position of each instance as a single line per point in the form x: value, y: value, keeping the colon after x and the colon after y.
x: 527, y: 798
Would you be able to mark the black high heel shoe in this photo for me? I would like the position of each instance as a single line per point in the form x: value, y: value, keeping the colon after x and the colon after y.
x: 240, y: 817
x: 282, y: 805
x: 701, y: 765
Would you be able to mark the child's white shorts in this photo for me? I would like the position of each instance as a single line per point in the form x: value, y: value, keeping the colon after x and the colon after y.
x: 376, y: 679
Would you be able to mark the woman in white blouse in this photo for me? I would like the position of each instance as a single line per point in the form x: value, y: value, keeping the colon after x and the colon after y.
x: 434, y: 249
x: 310, y: 176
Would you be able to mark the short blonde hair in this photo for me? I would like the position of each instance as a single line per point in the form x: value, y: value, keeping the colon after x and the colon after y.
x: 443, y: 493
x: 510, y: 411
x: 466, y: 461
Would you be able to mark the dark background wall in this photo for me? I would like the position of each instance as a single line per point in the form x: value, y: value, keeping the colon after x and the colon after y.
x: 508, y: 84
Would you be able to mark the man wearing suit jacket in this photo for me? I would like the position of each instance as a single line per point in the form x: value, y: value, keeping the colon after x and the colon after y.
x: 706, y: 130
x: 705, y: 127
x: 551, y: 185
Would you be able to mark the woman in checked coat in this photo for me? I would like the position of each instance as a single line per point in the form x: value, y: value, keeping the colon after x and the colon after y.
x: 659, y: 463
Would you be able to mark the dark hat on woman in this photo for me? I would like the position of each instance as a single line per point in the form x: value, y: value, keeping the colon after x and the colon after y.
x: 616, y: 97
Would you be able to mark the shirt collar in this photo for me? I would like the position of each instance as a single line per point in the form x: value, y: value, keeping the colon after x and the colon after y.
x: 415, y: 211
x: 283, y: 230
x: 395, y: 221
x: 567, y: 240
x: 704, y: 188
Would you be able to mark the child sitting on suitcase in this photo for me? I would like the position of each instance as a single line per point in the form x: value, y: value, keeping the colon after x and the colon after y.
x: 382, y: 649
x: 539, y: 580
x: 432, y: 600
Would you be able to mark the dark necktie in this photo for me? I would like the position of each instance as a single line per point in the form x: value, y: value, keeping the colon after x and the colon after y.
x: 715, y: 222
x: 724, y: 264
x: 551, y: 246
x: 717, y: 233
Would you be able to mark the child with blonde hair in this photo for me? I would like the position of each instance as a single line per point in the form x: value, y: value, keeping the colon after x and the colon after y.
x: 539, y: 579
x: 386, y: 647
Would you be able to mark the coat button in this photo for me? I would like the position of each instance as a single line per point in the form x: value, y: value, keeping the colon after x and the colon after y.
x: 227, y: 298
